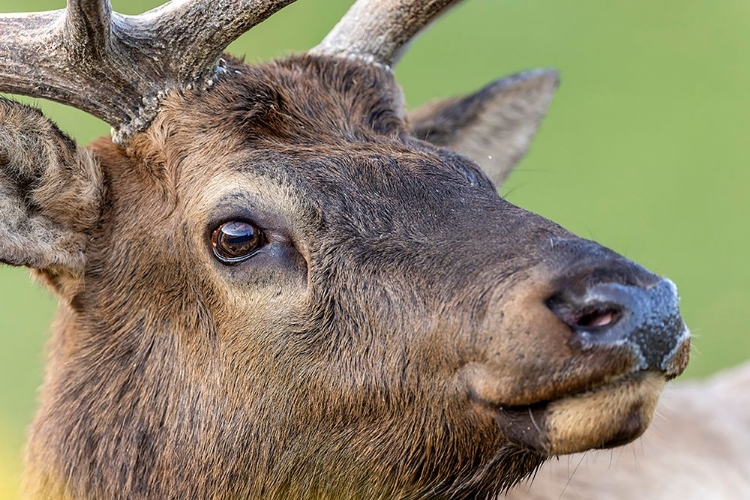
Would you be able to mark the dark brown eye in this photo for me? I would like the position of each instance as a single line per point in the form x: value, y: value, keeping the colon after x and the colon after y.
x: 236, y: 241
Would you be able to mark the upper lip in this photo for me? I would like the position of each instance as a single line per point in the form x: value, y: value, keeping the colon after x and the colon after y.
x: 594, y: 387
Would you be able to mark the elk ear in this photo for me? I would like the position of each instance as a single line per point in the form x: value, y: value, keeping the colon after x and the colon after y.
x: 50, y: 192
x: 493, y: 126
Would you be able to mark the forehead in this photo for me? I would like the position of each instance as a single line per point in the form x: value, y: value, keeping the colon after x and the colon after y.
x: 297, y: 100
x: 361, y: 180
x: 323, y: 127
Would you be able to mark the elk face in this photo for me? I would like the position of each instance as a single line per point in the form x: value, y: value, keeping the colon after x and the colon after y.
x: 282, y: 288
x: 385, y: 310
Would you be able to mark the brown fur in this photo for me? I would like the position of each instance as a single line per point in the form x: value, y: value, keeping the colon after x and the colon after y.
x: 364, y: 353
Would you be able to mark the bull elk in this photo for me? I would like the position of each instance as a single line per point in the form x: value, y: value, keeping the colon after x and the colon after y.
x: 276, y: 283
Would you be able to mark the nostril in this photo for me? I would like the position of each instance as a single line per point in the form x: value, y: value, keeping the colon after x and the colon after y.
x: 589, y: 316
x: 599, y: 317
x: 644, y: 319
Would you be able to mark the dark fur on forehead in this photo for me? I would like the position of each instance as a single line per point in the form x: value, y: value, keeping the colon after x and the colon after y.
x: 304, y: 98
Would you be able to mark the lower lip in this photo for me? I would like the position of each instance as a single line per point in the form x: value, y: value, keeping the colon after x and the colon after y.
x: 609, y: 415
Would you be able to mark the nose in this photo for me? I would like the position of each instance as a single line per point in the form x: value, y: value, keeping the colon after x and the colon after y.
x: 644, y: 318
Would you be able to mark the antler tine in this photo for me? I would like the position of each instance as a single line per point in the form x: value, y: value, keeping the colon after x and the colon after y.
x: 200, y: 30
x: 378, y: 30
x: 87, y: 25
x: 118, y: 67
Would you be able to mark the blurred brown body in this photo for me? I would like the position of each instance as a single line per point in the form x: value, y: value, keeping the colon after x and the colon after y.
x: 394, y: 329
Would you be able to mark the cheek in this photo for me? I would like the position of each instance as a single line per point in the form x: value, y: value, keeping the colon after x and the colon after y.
x: 258, y: 306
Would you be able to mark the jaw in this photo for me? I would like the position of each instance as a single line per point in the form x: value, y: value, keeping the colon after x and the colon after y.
x: 604, y: 417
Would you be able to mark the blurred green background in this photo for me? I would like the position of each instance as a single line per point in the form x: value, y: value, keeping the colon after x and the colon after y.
x: 645, y: 149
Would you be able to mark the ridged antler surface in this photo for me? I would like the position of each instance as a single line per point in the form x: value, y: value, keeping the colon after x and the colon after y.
x: 379, y: 30
x: 116, y: 67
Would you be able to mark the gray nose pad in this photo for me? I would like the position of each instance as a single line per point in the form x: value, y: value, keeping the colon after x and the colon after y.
x: 646, y: 319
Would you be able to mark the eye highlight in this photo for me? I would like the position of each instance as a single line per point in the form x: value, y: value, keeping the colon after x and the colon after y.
x: 236, y: 241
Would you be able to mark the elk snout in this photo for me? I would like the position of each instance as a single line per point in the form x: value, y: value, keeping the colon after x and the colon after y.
x: 644, y: 319
x: 594, y: 339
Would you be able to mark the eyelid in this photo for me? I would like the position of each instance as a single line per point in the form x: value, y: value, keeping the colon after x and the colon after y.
x: 245, y: 207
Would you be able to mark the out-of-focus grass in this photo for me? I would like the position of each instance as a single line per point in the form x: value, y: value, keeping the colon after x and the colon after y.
x: 10, y: 467
x: 645, y: 149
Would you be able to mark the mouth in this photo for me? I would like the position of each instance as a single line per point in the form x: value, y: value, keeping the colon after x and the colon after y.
x: 608, y: 415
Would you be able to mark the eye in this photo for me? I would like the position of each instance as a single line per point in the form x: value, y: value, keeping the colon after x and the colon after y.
x: 235, y: 241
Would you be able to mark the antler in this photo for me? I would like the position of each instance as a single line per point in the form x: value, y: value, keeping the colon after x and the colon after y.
x: 378, y: 30
x: 117, y: 67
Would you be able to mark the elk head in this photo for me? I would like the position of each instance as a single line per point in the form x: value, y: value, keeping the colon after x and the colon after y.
x: 275, y: 283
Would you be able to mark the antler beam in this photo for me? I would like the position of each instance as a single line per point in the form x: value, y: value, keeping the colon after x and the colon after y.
x: 117, y: 67
x: 379, y: 30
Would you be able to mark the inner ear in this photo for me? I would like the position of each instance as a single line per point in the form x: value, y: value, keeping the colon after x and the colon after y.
x: 50, y: 192
x: 493, y: 126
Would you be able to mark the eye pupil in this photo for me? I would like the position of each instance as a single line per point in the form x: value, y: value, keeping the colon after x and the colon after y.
x: 235, y: 241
